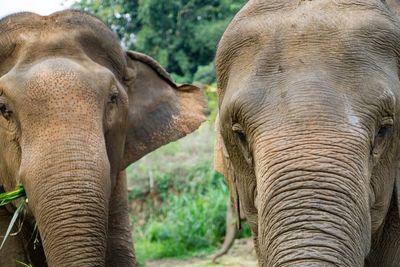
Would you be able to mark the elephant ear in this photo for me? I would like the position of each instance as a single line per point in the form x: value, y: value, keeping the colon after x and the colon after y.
x: 224, y: 166
x: 159, y: 110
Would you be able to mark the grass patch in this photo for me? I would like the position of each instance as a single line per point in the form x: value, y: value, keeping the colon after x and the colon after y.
x: 151, y: 250
x: 193, y: 218
x: 189, y: 220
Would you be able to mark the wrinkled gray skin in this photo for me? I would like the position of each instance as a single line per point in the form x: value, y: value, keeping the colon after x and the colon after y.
x: 75, y: 111
x: 309, y: 108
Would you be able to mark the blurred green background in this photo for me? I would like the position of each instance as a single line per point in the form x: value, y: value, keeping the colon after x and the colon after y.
x: 177, y: 200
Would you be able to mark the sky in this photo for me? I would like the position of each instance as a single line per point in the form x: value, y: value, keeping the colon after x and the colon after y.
x: 42, y: 7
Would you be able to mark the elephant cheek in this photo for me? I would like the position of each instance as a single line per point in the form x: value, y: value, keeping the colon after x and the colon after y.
x: 69, y: 197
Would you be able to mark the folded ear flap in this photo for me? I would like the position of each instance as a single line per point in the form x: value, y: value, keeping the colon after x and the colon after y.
x: 223, y: 165
x: 159, y: 110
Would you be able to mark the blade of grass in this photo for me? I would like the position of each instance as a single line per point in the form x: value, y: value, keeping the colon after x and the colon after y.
x: 24, y: 264
x: 7, y: 197
x: 12, y: 222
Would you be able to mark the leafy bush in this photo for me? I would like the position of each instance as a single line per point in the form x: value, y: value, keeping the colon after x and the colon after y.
x: 190, y: 220
x: 193, y: 218
x: 205, y: 74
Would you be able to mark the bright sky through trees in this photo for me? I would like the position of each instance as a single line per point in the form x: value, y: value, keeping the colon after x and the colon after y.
x: 42, y: 7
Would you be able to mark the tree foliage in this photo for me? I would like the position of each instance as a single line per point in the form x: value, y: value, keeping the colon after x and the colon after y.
x: 182, y: 34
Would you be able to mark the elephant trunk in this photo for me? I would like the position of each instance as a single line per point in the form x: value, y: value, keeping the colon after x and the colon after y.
x: 68, y: 196
x: 313, y: 204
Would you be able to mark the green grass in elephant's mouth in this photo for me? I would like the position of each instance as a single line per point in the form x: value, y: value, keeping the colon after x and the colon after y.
x: 6, y: 198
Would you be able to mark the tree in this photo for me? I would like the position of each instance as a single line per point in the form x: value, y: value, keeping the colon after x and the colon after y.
x: 181, y: 34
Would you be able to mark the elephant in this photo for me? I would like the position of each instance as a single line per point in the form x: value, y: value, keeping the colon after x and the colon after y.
x: 309, y: 129
x: 76, y: 110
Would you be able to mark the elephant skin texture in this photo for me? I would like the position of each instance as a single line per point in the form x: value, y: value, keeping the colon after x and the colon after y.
x: 76, y: 110
x: 308, y: 134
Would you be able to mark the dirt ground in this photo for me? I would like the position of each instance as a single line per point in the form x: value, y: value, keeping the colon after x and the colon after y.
x: 242, y: 254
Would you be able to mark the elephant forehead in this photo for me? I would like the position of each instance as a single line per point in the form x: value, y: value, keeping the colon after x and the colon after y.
x: 26, y: 37
x: 311, y: 14
x: 57, y: 92
x: 56, y: 84
x: 331, y: 32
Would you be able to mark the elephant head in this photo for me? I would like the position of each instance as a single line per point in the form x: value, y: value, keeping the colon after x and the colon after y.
x: 75, y: 111
x: 308, y: 135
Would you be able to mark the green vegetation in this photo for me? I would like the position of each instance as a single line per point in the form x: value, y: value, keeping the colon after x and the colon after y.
x: 177, y: 199
x: 7, y: 197
x: 182, y: 34
x: 187, y: 222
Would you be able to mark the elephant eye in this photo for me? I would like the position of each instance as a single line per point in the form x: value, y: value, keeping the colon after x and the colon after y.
x: 5, y: 112
x: 243, y: 143
x: 113, y: 98
x: 239, y: 133
x: 384, y: 131
x: 386, y: 128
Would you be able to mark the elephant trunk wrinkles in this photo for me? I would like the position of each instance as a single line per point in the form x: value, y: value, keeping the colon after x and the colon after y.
x: 68, y: 196
x: 314, y: 206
